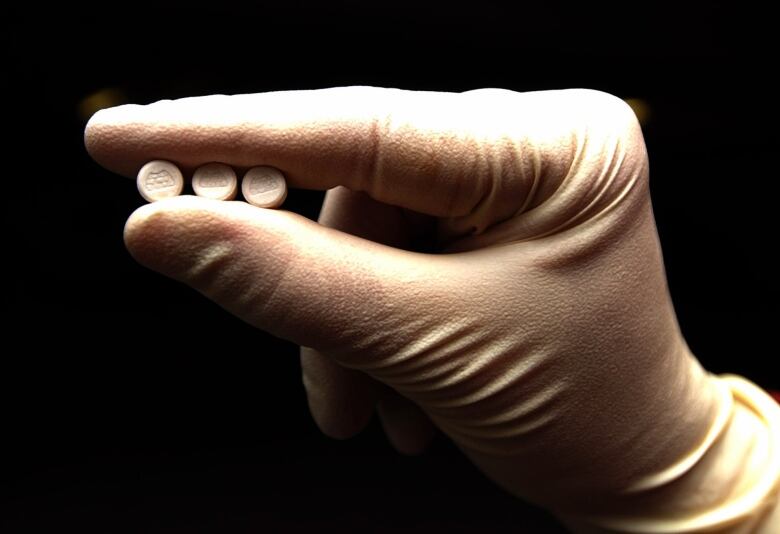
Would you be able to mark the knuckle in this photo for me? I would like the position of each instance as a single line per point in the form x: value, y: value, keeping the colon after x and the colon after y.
x: 614, y: 113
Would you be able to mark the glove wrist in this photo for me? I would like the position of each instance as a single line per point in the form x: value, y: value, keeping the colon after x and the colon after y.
x: 730, y: 483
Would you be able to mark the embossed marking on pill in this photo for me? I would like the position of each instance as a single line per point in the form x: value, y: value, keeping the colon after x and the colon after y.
x: 262, y: 184
x: 215, y: 180
x: 264, y: 187
x: 159, y: 179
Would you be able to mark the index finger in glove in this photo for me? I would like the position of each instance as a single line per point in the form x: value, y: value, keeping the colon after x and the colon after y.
x: 441, y: 154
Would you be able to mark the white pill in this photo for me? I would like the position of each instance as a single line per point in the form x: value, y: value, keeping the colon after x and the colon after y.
x: 160, y: 179
x: 215, y: 180
x: 264, y: 187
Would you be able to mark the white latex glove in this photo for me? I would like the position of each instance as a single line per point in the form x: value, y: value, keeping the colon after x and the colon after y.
x: 492, y: 258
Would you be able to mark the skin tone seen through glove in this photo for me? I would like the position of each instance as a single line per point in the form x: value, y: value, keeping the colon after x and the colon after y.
x: 485, y: 263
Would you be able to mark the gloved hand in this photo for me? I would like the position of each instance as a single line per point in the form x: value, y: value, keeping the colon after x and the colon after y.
x: 487, y: 262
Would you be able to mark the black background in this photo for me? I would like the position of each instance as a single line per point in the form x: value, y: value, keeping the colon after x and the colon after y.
x: 208, y: 429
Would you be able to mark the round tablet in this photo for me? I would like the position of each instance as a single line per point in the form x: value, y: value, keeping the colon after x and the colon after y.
x: 159, y: 179
x: 264, y: 187
x: 215, y: 180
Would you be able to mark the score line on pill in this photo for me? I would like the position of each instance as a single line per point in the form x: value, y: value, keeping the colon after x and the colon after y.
x: 215, y: 180
x: 264, y: 187
x: 159, y: 179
